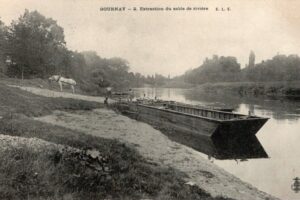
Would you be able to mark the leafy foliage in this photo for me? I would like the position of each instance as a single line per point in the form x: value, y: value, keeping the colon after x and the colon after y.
x: 36, y: 46
x: 114, y: 72
x: 37, y: 49
x: 226, y: 69
x: 279, y: 68
x: 3, y: 45
x: 217, y: 69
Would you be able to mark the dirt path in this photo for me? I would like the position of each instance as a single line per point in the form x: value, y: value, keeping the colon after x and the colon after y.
x: 152, y: 144
x: 52, y: 93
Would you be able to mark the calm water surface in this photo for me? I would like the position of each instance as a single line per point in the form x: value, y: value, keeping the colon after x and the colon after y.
x: 279, y: 137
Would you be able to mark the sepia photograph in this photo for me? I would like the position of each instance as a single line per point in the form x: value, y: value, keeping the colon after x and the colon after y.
x: 148, y: 99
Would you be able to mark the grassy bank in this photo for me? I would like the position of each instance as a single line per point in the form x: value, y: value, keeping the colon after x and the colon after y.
x: 82, y: 87
x: 14, y: 100
x: 54, y: 173
x: 129, y: 175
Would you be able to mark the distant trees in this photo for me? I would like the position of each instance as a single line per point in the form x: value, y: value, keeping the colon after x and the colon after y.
x: 279, y: 68
x: 251, y: 59
x: 217, y: 69
x: 106, y: 72
x: 75, y: 66
x: 115, y: 72
x: 35, y: 46
x: 3, y: 46
x: 226, y: 69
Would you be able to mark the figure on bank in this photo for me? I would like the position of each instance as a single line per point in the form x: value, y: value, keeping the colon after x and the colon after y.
x: 130, y: 94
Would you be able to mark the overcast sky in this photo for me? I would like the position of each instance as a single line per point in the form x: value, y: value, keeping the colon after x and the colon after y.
x: 171, y: 42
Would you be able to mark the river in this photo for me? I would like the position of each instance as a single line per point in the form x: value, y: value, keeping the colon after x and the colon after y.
x: 279, y: 138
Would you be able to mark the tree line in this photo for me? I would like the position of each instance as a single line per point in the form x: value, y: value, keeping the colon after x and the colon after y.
x: 227, y: 69
x: 34, y: 46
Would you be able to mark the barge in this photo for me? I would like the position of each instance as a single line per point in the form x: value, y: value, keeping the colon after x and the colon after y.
x: 201, y: 121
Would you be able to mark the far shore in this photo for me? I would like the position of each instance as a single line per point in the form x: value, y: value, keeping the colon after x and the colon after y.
x: 280, y: 89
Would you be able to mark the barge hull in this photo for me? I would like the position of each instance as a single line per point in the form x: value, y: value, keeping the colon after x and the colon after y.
x: 225, y: 125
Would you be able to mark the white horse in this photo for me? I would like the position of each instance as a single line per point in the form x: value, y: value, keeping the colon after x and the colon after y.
x: 61, y: 80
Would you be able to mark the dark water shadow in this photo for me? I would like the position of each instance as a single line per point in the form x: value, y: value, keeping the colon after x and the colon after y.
x: 218, y: 148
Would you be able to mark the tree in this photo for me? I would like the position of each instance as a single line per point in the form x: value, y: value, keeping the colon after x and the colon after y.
x: 251, y: 59
x: 78, y: 65
x: 217, y: 69
x: 37, y: 45
x: 119, y: 64
x: 107, y: 72
x: 279, y: 68
x: 3, y: 46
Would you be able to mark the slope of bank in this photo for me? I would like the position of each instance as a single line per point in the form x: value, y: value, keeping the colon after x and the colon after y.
x: 43, y: 161
x: 157, y: 148
x: 14, y: 100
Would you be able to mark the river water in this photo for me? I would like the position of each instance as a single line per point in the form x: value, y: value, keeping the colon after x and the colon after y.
x: 279, y: 138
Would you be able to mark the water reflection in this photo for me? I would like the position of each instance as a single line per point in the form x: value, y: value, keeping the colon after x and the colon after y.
x: 216, y: 148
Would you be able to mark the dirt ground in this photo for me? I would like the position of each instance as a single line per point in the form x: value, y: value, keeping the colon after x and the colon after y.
x: 153, y: 145
x: 53, y: 93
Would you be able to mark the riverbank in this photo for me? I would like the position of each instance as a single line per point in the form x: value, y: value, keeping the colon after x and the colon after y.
x: 82, y: 87
x: 43, y: 161
x: 157, y: 148
x: 274, y: 89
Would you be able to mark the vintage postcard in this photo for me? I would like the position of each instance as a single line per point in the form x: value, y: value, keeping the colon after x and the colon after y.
x: 148, y: 99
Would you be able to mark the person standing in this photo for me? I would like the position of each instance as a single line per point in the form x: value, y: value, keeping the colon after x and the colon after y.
x: 106, y: 100
x: 131, y: 95
x: 108, y: 91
